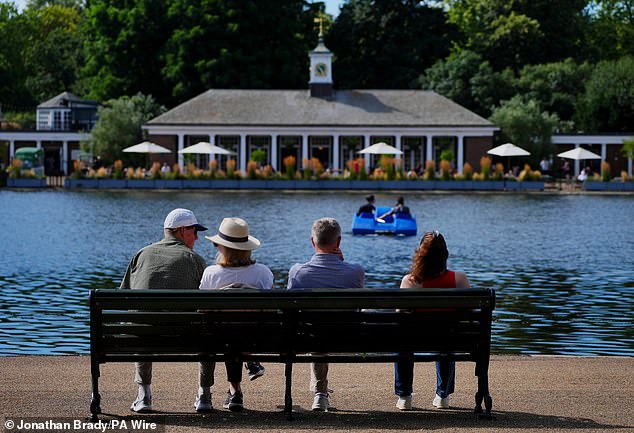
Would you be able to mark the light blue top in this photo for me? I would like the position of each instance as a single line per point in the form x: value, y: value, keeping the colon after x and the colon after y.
x: 326, y: 271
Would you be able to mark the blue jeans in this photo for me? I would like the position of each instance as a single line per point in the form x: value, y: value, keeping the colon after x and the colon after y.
x: 404, y: 377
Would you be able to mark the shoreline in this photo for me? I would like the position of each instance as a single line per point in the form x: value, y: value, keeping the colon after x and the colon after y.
x: 530, y: 393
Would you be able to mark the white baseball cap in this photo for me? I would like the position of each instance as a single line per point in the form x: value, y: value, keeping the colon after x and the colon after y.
x: 182, y: 218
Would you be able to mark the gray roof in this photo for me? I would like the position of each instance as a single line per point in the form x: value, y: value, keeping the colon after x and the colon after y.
x: 352, y: 108
x: 65, y: 99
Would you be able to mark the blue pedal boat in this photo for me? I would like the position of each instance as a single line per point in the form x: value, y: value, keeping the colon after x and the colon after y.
x: 397, y: 224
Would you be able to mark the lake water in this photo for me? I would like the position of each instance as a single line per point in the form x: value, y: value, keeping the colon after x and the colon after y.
x: 562, y: 265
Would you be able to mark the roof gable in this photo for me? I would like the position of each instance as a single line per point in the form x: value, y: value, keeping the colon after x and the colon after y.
x: 65, y: 100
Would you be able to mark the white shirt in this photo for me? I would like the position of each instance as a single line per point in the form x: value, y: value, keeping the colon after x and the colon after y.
x: 217, y: 277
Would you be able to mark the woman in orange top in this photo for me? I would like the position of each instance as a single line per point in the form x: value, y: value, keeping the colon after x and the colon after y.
x: 429, y: 269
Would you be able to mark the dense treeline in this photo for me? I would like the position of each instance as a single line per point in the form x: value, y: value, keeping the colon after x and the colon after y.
x: 556, y: 64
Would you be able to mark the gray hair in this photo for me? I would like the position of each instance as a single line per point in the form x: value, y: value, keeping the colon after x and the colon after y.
x: 325, y: 231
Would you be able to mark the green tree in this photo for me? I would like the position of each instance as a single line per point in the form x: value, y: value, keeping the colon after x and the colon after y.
x: 610, y: 33
x: 520, y: 32
x: 525, y: 125
x: 467, y: 79
x: 628, y: 148
x: 53, y: 54
x: 386, y: 44
x: 13, y: 93
x: 119, y: 126
x: 246, y: 44
x: 608, y: 102
x: 556, y: 86
x: 123, y: 48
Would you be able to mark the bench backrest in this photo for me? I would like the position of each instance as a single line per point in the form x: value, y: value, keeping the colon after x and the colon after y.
x: 183, y: 324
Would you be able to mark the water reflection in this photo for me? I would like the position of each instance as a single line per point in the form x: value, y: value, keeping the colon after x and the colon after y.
x: 561, y: 265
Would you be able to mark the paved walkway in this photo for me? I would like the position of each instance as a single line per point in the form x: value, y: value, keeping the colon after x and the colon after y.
x: 530, y: 394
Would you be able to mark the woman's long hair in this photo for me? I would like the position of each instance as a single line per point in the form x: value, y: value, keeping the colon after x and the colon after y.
x: 234, y: 258
x: 430, y: 259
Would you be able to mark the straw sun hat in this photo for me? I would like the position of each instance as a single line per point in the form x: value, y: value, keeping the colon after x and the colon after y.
x: 234, y: 233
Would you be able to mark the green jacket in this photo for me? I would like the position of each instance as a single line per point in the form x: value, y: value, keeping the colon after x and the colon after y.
x: 167, y: 264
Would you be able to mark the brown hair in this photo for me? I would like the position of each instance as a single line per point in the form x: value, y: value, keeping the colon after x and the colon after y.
x: 234, y: 258
x: 430, y: 259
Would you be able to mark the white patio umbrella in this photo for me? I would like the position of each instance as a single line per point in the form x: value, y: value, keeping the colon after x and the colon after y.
x: 381, y: 149
x: 508, y: 150
x: 146, y: 147
x: 206, y: 148
x: 579, y: 153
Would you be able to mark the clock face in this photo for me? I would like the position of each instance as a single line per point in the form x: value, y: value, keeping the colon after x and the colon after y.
x: 321, y: 70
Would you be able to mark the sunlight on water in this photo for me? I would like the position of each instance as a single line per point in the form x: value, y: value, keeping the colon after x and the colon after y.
x: 561, y: 266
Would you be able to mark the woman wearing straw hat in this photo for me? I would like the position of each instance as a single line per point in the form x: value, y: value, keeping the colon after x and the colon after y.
x: 235, y: 267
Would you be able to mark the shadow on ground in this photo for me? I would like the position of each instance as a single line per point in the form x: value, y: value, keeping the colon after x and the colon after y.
x: 351, y: 420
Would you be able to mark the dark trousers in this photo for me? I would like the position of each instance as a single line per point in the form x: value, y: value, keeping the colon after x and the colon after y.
x: 404, y: 377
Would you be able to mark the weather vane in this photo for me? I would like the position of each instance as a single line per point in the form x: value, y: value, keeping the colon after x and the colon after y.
x: 320, y: 20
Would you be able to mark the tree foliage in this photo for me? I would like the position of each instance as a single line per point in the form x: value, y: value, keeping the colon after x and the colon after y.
x: 520, y: 32
x: 524, y: 124
x: 608, y: 102
x: 54, y: 50
x: 610, y: 32
x: 555, y: 86
x: 13, y: 40
x: 467, y: 79
x: 119, y: 125
x: 124, y: 43
x: 386, y: 44
x: 246, y: 44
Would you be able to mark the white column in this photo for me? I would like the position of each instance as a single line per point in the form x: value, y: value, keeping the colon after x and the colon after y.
x: 366, y: 143
x: 64, y: 157
x: 38, y: 144
x: 212, y: 156
x: 399, y: 146
x: 181, y: 145
x: 576, y: 165
x: 274, y: 151
x: 629, y: 167
x: 460, y: 156
x: 335, y: 154
x: 243, y: 153
x: 11, y: 150
x: 604, y: 156
x: 429, y: 149
x: 304, y: 154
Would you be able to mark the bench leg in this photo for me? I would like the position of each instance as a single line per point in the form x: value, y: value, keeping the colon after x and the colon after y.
x: 288, y: 399
x: 483, y: 394
x: 95, y: 402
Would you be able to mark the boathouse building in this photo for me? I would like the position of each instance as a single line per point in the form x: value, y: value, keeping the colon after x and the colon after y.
x: 324, y: 123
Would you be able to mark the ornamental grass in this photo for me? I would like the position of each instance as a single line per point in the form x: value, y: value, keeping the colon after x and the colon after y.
x: 605, y: 171
x: 445, y: 169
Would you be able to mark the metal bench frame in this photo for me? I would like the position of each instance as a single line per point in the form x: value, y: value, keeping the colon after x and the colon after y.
x: 317, y: 325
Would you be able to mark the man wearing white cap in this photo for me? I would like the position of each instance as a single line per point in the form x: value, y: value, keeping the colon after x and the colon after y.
x: 168, y: 264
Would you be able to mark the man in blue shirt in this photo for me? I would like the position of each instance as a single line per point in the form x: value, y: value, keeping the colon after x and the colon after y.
x: 326, y: 269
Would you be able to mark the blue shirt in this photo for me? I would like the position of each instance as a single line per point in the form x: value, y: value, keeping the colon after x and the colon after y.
x: 326, y: 271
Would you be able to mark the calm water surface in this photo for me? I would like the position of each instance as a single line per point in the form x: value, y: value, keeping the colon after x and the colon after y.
x: 562, y: 266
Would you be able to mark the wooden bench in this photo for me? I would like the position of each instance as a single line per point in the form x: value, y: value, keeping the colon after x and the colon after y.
x: 323, y: 325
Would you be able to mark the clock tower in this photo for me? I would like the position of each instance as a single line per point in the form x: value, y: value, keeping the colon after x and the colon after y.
x: 320, y: 82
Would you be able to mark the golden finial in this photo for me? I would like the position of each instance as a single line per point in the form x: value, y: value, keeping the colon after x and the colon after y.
x: 320, y: 20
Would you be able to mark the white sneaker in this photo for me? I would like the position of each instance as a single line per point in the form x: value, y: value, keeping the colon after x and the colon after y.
x: 404, y: 402
x: 440, y: 403
x: 143, y: 402
x: 321, y: 402
x: 203, y: 400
